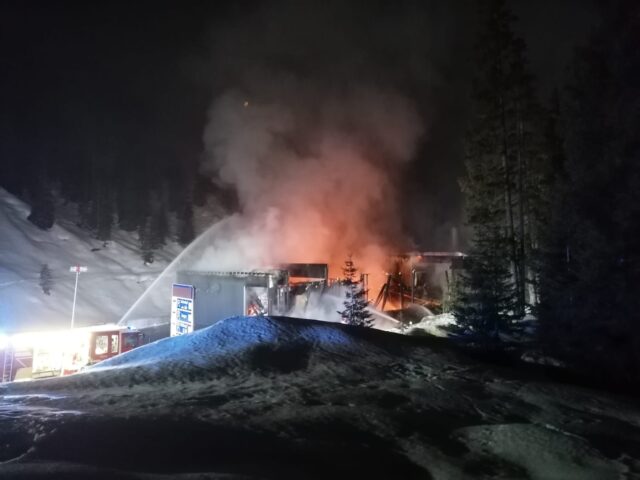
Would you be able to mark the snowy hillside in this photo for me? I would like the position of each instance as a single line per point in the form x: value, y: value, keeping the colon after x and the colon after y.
x: 279, y: 398
x: 116, y: 275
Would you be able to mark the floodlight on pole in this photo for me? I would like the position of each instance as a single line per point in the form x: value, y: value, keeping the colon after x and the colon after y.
x: 78, y: 270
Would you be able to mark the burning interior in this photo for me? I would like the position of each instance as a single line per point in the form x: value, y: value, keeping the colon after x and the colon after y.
x: 421, y: 279
x: 278, y: 291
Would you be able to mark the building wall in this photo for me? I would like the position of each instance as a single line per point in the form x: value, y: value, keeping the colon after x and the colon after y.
x: 216, y: 297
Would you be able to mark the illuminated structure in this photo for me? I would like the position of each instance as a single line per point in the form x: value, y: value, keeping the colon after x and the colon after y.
x: 49, y: 354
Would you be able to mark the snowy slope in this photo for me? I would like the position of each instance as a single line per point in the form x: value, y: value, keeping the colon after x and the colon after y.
x: 284, y: 398
x: 116, y: 276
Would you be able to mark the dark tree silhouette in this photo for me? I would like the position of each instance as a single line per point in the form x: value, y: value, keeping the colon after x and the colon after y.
x: 505, y: 158
x: 46, y: 279
x: 42, y: 213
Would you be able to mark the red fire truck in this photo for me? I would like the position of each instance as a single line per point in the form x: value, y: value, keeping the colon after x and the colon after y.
x: 48, y: 354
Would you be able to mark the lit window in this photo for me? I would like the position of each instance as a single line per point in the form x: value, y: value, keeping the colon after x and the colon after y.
x: 114, y: 343
x: 102, y: 344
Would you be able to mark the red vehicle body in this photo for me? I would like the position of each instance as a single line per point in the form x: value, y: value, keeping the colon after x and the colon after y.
x: 49, y: 354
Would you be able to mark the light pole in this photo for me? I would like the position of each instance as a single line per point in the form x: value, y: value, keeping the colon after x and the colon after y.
x: 77, y: 269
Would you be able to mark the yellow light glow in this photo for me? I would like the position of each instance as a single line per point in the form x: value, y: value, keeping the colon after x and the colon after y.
x: 56, y: 340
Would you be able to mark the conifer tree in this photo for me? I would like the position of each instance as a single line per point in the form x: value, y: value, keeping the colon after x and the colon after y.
x: 504, y: 155
x: 184, y: 212
x: 485, y: 296
x: 104, y: 212
x: 153, y: 231
x: 356, y: 302
x: 159, y: 228
x: 42, y: 213
x: 46, y: 279
x: 485, y: 292
x: 146, y: 241
x: 129, y: 204
x: 159, y: 220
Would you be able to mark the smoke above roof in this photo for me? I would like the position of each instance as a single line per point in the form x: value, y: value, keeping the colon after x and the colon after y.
x: 315, y: 132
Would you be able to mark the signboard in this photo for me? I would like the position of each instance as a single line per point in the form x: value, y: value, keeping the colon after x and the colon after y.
x: 182, y: 297
x: 78, y: 269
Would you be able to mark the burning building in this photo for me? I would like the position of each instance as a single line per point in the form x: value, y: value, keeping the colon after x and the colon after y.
x: 424, y: 278
x: 306, y: 291
x: 202, y: 298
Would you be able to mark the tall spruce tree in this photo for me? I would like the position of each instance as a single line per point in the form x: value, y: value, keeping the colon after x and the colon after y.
x: 485, y: 293
x: 356, y: 302
x: 502, y: 186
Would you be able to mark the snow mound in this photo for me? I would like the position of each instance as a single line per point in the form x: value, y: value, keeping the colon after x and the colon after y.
x: 241, y: 346
x: 229, y: 337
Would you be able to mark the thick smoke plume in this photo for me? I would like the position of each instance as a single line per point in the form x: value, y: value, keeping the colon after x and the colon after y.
x: 314, y: 171
x: 315, y: 123
x: 319, y: 121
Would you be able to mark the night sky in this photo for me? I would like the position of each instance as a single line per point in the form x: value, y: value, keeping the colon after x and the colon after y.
x: 137, y: 78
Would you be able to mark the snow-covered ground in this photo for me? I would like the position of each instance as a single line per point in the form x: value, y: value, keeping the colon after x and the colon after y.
x: 116, y: 274
x: 437, y: 325
x: 289, y: 398
x: 445, y: 325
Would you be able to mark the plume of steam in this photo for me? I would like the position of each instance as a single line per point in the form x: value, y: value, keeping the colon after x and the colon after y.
x: 314, y: 170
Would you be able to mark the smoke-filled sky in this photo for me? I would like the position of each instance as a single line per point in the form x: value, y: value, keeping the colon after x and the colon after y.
x: 349, y: 111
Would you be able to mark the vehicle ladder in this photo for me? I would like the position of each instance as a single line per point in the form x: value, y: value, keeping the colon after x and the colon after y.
x: 7, y: 365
